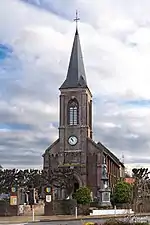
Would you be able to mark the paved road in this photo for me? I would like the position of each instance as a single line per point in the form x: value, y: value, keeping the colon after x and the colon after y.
x: 78, y: 222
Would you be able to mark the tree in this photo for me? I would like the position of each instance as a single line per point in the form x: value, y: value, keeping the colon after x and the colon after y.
x: 122, y: 193
x: 19, y: 178
x: 59, y: 178
x: 141, y: 188
x: 83, y: 195
x: 141, y: 173
x: 7, y: 180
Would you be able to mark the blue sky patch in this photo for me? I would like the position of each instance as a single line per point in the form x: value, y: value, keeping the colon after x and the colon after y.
x: 49, y: 6
x: 11, y: 126
x: 138, y: 103
x: 5, y: 51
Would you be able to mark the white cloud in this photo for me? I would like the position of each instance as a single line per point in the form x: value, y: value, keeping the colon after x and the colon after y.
x: 115, y: 39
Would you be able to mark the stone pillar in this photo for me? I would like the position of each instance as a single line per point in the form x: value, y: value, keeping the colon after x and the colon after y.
x: 21, y: 200
x: 13, y: 208
x: 48, y: 209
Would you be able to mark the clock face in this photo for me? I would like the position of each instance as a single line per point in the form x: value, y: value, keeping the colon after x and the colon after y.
x: 72, y: 140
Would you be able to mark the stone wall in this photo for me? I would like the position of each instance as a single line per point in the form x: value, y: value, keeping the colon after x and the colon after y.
x: 60, y: 207
x: 7, y: 210
x: 83, y: 210
x: 65, y: 207
x: 38, y: 209
x: 3, y: 208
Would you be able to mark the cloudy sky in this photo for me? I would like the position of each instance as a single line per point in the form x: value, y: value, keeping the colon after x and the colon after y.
x: 35, y: 42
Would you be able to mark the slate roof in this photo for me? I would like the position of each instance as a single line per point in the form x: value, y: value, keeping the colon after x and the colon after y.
x: 108, y: 152
x: 76, y: 73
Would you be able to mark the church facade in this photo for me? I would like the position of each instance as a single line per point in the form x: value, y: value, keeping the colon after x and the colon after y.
x: 75, y: 147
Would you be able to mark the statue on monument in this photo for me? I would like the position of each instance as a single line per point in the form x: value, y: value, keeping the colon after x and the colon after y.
x: 104, y: 169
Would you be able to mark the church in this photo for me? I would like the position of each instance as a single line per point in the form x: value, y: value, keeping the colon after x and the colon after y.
x: 75, y: 147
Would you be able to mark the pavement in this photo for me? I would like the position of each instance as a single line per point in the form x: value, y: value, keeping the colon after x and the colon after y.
x: 29, y: 219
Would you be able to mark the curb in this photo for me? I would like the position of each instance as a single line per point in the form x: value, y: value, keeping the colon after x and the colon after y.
x: 17, y: 222
x: 71, y: 219
x: 85, y: 218
x: 90, y: 218
x: 75, y: 219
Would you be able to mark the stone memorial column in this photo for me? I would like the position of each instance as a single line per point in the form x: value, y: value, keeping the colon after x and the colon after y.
x: 104, y: 199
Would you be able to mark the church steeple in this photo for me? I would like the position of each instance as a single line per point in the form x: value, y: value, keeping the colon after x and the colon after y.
x: 75, y: 97
x: 76, y: 73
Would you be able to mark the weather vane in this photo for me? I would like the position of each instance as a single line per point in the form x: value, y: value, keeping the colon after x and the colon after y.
x: 77, y: 18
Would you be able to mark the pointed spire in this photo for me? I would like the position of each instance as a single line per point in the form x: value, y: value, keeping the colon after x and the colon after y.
x: 76, y: 73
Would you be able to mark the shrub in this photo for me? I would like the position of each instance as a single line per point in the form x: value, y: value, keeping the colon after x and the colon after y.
x: 122, y: 193
x: 83, y: 195
x: 119, y: 222
x: 116, y: 222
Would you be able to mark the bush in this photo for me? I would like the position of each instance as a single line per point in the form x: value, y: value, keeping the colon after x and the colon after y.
x: 115, y: 222
x: 83, y: 195
x: 122, y: 193
x: 119, y: 222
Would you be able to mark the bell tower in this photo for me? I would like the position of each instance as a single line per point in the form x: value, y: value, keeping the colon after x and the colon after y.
x: 75, y: 124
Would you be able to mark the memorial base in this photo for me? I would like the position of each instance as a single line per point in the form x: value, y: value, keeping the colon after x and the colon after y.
x: 104, y: 200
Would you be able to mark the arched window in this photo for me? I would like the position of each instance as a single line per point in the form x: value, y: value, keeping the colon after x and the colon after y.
x: 73, y: 112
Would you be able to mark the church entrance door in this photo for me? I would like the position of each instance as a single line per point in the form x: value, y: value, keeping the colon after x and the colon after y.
x: 76, y: 186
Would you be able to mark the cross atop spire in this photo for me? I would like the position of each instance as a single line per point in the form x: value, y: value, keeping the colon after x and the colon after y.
x: 76, y: 77
x: 76, y: 19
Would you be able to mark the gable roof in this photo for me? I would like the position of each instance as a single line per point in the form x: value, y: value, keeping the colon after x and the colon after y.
x: 50, y: 146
